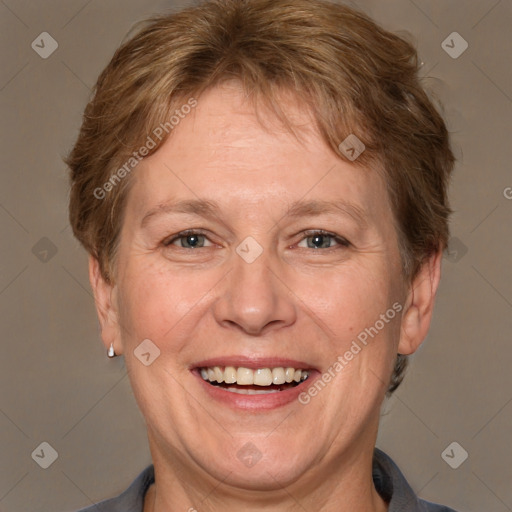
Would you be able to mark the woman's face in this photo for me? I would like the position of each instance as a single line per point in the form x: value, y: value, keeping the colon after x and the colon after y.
x: 255, y: 287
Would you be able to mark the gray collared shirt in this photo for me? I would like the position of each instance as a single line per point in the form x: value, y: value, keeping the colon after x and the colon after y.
x: 388, y: 479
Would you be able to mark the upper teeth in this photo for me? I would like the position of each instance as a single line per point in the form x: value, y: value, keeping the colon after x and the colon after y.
x: 247, y: 376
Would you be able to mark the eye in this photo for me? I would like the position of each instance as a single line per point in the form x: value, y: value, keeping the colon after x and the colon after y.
x: 189, y: 239
x: 315, y: 239
x: 321, y: 239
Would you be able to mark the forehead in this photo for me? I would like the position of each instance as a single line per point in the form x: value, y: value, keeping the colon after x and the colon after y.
x: 227, y: 152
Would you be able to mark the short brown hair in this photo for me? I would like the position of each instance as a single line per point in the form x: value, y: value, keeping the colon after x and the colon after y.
x: 354, y: 76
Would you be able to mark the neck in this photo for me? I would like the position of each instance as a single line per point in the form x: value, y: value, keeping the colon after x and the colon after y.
x: 344, y: 484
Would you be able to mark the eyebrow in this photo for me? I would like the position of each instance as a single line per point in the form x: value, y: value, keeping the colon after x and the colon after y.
x: 301, y: 208
x: 320, y: 207
x: 200, y: 207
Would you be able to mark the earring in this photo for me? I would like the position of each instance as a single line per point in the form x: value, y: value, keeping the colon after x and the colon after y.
x: 111, y: 352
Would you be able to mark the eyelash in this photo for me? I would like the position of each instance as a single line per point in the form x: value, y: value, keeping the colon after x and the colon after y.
x: 308, y: 233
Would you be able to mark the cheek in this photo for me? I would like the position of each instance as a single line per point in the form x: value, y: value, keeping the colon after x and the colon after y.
x: 351, y: 299
x: 163, y: 304
x: 363, y: 326
x: 151, y: 301
x: 167, y: 305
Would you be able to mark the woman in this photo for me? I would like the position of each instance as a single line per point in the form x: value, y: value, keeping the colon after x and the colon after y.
x: 261, y: 187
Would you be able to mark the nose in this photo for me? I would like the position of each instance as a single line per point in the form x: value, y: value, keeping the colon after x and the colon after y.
x: 254, y: 297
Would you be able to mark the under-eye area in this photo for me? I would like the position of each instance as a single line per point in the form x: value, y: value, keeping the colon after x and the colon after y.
x: 253, y: 382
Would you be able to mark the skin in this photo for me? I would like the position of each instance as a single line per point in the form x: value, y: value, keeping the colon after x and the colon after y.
x: 293, y: 301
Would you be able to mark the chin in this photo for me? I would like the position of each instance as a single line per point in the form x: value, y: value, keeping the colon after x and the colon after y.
x: 258, y: 463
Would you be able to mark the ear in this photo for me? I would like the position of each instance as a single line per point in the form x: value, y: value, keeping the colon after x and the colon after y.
x: 420, y: 305
x: 106, y: 306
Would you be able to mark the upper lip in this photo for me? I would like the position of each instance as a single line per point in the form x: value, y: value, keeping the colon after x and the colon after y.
x: 253, y: 362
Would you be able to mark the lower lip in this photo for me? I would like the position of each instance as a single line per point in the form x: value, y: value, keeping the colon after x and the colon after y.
x: 266, y: 401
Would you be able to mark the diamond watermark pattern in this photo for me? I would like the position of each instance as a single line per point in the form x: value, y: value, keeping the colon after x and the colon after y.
x: 456, y: 250
x: 249, y: 455
x: 44, y: 45
x: 249, y: 250
x: 45, y: 455
x: 44, y: 250
x: 351, y: 147
x: 146, y: 352
x: 454, y: 455
x: 454, y: 45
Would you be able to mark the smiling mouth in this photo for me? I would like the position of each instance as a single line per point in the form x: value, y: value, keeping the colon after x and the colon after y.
x: 253, y: 382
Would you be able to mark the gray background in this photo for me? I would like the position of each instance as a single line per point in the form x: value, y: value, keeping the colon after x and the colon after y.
x: 58, y: 386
